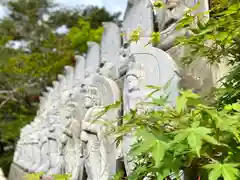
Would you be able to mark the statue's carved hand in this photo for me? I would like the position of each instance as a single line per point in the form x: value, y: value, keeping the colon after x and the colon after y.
x: 84, y: 136
x: 94, y: 128
x: 86, y: 126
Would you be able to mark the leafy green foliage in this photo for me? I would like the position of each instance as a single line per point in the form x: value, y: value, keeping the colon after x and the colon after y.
x: 25, y: 20
x: 221, y: 31
x: 80, y: 34
x: 92, y: 14
x: 188, y: 135
x: 96, y: 16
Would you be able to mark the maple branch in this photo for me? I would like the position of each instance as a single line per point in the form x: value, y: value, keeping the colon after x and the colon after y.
x: 6, y: 100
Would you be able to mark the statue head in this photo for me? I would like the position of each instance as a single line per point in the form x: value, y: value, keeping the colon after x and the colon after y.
x: 107, y: 69
x: 90, y: 96
x: 53, y: 114
x: 134, y: 77
x: 69, y: 112
x: 124, y: 56
x: 65, y: 95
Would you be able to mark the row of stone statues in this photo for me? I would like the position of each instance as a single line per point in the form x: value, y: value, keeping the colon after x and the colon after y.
x: 62, y: 139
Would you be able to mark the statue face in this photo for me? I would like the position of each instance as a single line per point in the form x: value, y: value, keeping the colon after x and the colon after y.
x: 53, y: 116
x: 88, y: 102
x: 76, y: 89
x: 51, y: 120
x: 107, y: 69
x: 66, y: 95
x: 69, y: 111
x: 90, y: 95
x: 124, y: 55
x: 132, y: 83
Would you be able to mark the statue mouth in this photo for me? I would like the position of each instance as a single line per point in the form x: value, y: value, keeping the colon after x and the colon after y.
x: 134, y: 89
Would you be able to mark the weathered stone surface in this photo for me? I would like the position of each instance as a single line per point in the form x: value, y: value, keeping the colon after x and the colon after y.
x: 80, y: 68
x: 110, y: 47
x: 93, y: 58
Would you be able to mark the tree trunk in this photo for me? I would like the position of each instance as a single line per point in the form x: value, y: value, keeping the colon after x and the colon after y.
x: 191, y: 174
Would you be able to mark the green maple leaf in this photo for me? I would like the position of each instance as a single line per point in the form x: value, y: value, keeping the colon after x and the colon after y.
x: 210, y: 140
x: 228, y: 171
x: 195, y: 137
x: 141, y: 148
x: 215, y: 173
x: 147, y: 143
x: 158, y: 101
x: 181, y: 104
x: 150, y: 143
x: 190, y: 94
x: 158, y: 152
x: 180, y: 136
x: 195, y: 142
x: 236, y: 106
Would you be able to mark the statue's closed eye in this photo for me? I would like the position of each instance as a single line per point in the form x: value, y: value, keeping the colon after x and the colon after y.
x: 125, y: 45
